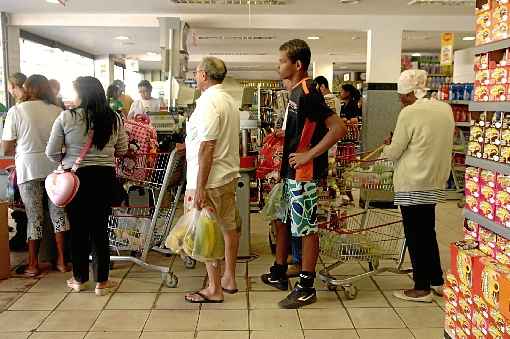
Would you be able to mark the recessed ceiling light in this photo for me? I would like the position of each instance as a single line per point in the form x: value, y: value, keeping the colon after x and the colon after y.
x: 416, y: 54
x: 121, y: 37
x: 53, y: 2
x: 313, y: 38
x: 349, y: 2
x: 468, y: 38
x: 356, y: 38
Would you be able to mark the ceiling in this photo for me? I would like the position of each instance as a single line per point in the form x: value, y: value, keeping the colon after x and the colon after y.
x: 330, y: 7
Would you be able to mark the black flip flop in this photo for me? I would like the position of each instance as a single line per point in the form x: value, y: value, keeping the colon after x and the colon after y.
x: 204, y: 300
x: 226, y: 290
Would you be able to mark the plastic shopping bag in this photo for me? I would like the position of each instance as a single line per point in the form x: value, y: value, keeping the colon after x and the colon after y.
x: 276, y: 205
x: 198, y: 235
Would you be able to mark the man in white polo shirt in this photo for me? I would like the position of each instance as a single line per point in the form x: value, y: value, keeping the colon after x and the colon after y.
x: 212, y: 153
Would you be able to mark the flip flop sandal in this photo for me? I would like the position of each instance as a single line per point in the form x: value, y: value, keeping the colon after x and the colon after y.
x: 233, y: 291
x: 204, y: 300
x: 31, y: 274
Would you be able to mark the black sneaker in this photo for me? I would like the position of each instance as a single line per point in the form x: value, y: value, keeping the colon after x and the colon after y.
x: 299, y: 297
x: 281, y: 284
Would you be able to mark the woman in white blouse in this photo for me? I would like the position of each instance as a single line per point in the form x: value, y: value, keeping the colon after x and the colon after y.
x: 147, y: 103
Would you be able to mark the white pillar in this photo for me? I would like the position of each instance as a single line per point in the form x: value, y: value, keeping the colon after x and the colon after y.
x: 384, y: 49
x: 103, y: 70
x: 324, y: 67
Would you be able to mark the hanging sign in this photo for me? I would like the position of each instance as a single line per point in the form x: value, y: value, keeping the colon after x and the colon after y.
x: 447, y: 40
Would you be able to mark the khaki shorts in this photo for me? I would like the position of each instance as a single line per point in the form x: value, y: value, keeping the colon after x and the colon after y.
x: 223, y: 201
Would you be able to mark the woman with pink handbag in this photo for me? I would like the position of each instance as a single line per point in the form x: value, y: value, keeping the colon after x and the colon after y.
x: 92, y: 135
x: 26, y: 132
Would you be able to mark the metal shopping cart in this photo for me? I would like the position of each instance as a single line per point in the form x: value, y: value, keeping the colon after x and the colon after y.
x: 368, y: 235
x: 140, y: 229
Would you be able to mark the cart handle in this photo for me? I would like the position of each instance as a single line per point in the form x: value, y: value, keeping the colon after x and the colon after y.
x: 347, y: 232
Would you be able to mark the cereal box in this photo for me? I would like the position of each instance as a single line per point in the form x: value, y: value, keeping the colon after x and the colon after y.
x: 471, y: 229
x: 502, y: 215
x: 489, y: 280
x: 482, y: 92
x: 462, y: 263
x: 499, y: 75
x: 488, y: 178
x: 486, y: 209
x: 504, y: 154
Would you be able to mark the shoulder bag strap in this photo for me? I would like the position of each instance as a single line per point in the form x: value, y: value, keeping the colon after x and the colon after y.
x: 85, y: 149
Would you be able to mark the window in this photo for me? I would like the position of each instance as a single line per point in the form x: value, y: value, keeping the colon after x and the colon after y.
x: 54, y: 63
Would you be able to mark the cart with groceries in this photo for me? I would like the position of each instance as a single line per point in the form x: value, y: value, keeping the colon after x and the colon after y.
x: 139, y: 228
x: 371, y: 236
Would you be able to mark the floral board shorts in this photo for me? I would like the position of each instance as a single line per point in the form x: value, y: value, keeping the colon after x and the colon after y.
x: 223, y: 201
x: 302, y: 212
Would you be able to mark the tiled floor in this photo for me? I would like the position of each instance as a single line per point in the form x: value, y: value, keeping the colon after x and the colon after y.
x: 143, y: 308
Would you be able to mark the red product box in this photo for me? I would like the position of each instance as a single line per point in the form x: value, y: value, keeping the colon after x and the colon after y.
x: 503, y: 183
x: 451, y: 296
x: 471, y: 230
x: 488, y: 274
x: 504, y: 154
x: 482, y: 62
x: 504, y: 137
x: 465, y: 324
x: 488, y: 193
x: 491, y: 152
x: 483, y: 20
x: 451, y: 280
x: 482, y: 93
x: 498, y: 75
x: 500, y: 31
x: 450, y: 324
x: 486, y: 209
x: 483, y: 5
x: 481, y: 306
x: 480, y: 322
x: 502, y: 215
x: 487, y: 242
x: 498, y: 321
x: 499, y: 14
x: 472, y: 188
x: 483, y: 77
x: 504, y: 297
x: 472, y: 173
x: 463, y: 262
x: 498, y: 92
x: 502, y: 199
x: 483, y: 36
x: 471, y: 202
x: 488, y: 178
x: 465, y: 308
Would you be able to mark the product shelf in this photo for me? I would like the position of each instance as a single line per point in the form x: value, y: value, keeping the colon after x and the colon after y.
x: 488, y: 165
x: 459, y: 102
x: 463, y: 124
x: 492, y: 106
x: 492, y: 46
x: 488, y: 224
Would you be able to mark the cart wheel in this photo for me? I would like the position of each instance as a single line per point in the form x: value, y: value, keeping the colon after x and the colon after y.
x: 189, y: 262
x: 170, y: 280
x: 350, y: 292
x: 332, y: 287
x: 373, y: 265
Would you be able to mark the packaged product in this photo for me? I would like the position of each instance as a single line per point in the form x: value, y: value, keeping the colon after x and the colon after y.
x: 504, y: 289
x: 502, y: 216
x: 471, y: 230
x: 482, y: 93
x: 483, y: 6
x: 465, y: 308
x: 451, y: 296
x: 492, y: 135
x: 487, y: 237
x: 451, y: 279
x: 498, y: 320
x: 472, y: 203
x: 465, y: 293
x: 491, y: 273
x: 450, y: 309
x: 488, y: 193
x: 472, y: 173
x: 502, y: 199
x: 481, y: 305
x: 498, y: 92
x: 483, y: 77
x: 480, y: 322
x: 483, y: 20
x: 472, y: 188
x: 488, y: 178
x: 465, y: 324
x: 503, y: 183
x: 500, y: 31
x: 476, y: 133
x: 505, y: 137
x: 482, y: 61
x: 463, y: 262
x: 500, y: 13
x: 491, y: 152
x: 499, y: 75
x: 475, y: 149
x: 504, y: 154
x: 450, y: 324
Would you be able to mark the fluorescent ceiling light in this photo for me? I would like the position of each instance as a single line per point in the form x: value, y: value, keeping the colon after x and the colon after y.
x: 348, y: 2
x: 121, y: 37
x: 468, y: 38
x: 53, y: 2
x: 416, y: 54
x: 313, y: 38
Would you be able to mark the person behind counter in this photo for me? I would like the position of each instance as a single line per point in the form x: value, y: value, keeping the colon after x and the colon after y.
x: 421, y: 148
x: 126, y: 100
x: 350, y: 102
x: 113, y: 94
x: 26, y: 132
x: 147, y: 103
x: 88, y: 212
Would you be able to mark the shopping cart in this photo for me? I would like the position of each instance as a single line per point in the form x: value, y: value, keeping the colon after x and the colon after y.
x: 140, y: 229
x: 368, y: 235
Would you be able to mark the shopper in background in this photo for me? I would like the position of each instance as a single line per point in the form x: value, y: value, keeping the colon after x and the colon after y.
x: 147, y: 103
x: 55, y: 87
x: 331, y: 100
x: 351, y: 109
x: 308, y: 116
x: 421, y: 147
x: 113, y: 94
x: 88, y: 212
x: 19, y: 241
x: 126, y: 100
x: 212, y: 153
x: 3, y: 109
x: 26, y: 132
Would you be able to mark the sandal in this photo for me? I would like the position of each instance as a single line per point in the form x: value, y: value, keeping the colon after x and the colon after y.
x: 75, y: 285
x: 31, y: 274
x: 102, y: 291
x: 228, y: 291
x: 204, y: 300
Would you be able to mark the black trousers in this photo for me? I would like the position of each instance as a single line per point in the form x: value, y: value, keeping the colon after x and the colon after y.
x: 419, y: 227
x: 88, y: 216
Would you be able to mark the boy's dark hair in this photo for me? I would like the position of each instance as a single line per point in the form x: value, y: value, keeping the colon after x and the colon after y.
x: 297, y: 49
x: 320, y: 80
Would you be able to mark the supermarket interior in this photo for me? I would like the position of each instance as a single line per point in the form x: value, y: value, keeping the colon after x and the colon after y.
x: 396, y: 230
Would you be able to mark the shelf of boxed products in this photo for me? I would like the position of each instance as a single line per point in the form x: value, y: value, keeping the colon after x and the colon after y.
x: 490, y: 165
x: 459, y: 102
x: 487, y: 224
x: 492, y: 46
x: 463, y: 124
x: 493, y: 106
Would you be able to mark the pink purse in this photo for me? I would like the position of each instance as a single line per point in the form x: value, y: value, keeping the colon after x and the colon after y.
x: 62, y: 185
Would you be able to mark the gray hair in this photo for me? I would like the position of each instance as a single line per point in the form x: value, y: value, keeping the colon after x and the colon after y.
x: 214, y: 68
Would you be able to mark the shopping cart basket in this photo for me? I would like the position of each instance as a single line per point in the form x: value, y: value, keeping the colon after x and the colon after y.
x: 139, y: 229
x: 369, y: 235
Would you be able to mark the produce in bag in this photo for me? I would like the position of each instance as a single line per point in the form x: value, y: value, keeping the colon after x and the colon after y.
x: 276, y: 206
x: 203, y: 237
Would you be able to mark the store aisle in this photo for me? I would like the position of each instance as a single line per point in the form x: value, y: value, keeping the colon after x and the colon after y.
x: 143, y: 308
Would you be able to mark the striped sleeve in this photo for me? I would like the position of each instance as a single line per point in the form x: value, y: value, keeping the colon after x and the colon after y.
x: 420, y: 197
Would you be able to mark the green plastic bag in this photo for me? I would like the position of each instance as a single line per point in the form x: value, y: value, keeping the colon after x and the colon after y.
x: 276, y: 206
